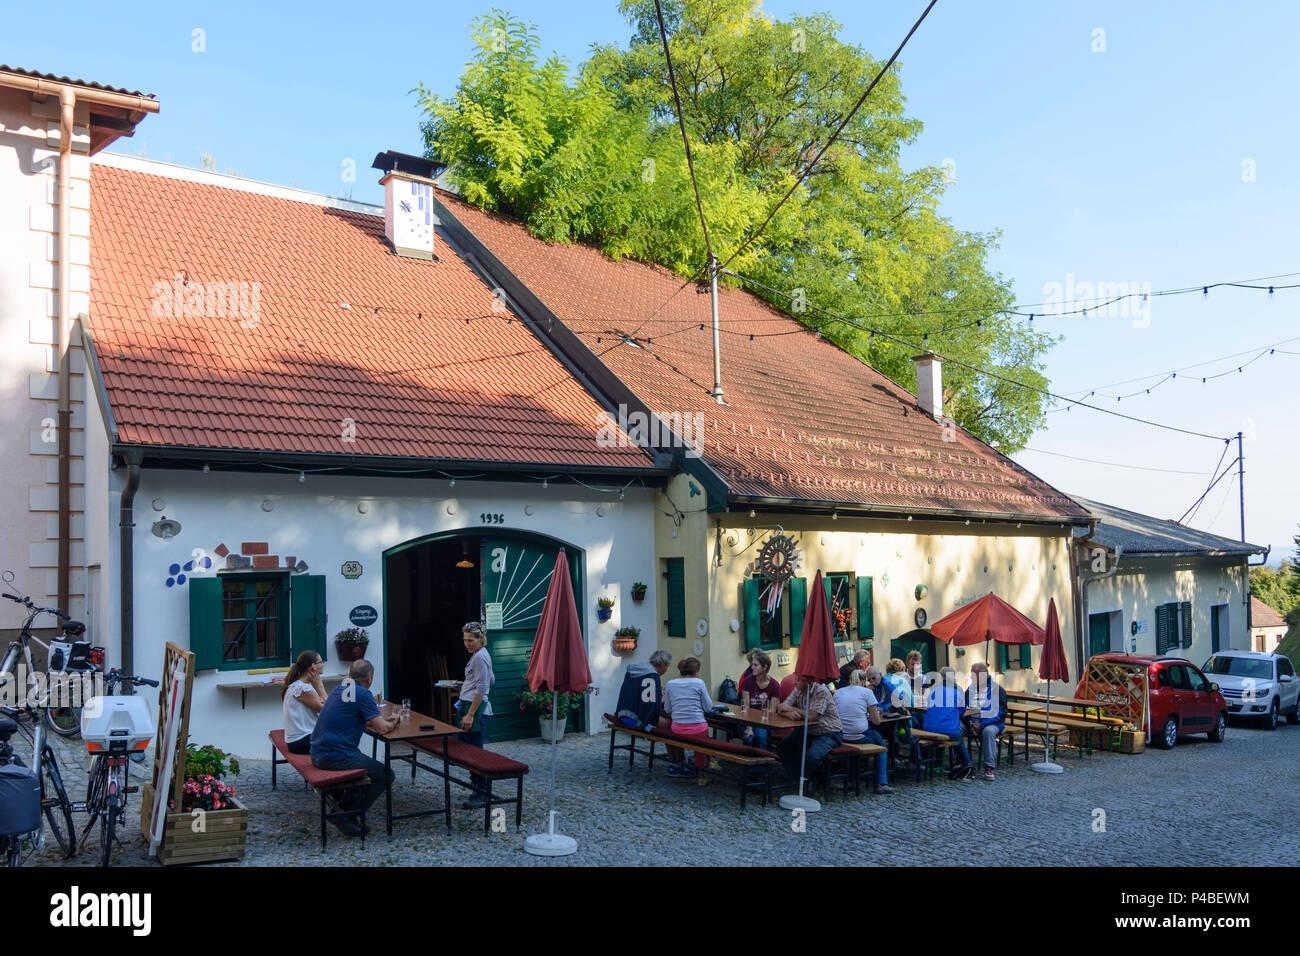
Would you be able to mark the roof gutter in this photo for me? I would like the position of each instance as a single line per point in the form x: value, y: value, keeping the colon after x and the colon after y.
x: 866, y: 510
x: 44, y: 87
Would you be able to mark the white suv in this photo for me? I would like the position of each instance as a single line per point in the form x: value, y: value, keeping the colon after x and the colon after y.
x: 1257, y: 686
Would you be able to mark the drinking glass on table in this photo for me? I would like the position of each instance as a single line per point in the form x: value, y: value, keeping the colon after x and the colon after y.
x: 406, y: 708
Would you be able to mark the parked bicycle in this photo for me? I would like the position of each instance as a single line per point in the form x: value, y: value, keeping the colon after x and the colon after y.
x: 26, y: 714
x: 70, y: 662
x: 113, y: 728
x: 20, y: 801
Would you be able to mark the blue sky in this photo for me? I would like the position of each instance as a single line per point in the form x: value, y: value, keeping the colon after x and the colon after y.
x: 1169, y: 158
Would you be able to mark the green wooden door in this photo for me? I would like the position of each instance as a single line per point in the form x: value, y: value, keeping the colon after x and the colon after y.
x: 1214, y: 629
x: 516, y: 576
x: 1098, y: 634
x: 900, y: 647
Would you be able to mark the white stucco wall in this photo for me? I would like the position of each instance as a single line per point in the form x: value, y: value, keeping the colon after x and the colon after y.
x: 1138, y: 586
x: 319, y: 521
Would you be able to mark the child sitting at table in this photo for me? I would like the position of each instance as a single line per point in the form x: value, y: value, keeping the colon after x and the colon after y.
x: 687, y: 700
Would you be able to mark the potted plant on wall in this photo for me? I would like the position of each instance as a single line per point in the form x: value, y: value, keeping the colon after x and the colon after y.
x: 604, y: 607
x: 625, y: 639
x: 638, y: 591
x: 351, y: 643
x: 541, y: 703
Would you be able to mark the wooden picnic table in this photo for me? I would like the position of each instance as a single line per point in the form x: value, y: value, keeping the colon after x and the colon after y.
x: 415, y: 727
x: 754, y: 716
x: 1085, y: 704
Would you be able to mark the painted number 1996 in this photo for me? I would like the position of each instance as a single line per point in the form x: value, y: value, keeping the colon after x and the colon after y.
x: 488, y: 518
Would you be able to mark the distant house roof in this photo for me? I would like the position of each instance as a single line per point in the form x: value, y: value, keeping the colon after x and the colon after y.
x: 352, y: 350
x: 90, y: 85
x: 805, y: 422
x: 1142, y: 535
x: 1261, y: 615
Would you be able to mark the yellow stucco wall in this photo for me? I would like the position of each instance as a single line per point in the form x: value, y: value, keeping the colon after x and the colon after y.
x: 957, y: 563
x: 1138, y: 586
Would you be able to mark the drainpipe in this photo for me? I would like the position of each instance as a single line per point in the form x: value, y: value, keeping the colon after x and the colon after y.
x: 126, y: 565
x: 67, y: 100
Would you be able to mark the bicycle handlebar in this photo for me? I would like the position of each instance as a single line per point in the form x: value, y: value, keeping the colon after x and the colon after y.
x: 117, y: 677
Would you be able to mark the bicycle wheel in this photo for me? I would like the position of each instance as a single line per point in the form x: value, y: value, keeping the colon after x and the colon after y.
x: 94, y: 796
x: 54, y: 801
x: 106, y: 832
x: 64, y: 721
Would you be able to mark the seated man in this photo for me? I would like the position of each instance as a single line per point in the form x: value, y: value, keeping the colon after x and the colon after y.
x: 986, y: 711
x: 641, y: 696
x: 945, y: 704
x: 349, y: 710
x: 857, y: 662
x: 824, y: 727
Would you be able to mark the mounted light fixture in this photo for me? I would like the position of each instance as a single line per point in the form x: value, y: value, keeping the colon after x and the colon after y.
x: 166, y: 528
x: 464, y: 561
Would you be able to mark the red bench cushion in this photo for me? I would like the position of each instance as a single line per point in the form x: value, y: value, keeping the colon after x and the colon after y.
x: 485, y: 763
x: 321, y: 779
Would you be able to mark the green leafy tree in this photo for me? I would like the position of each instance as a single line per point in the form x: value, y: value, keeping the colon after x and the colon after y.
x: 597, y: 157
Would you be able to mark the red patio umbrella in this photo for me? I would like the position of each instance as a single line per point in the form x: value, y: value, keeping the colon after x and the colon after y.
x: 1052, y: 667
x: 559, y: 664
x: 816, y: 663
x: 988, y: 619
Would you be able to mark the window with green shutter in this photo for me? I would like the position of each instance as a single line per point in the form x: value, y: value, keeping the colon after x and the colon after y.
x: 307, y: 615
x: 675, y: 578
x: 1167, y: 627
x: 205, y: 622
x: 798, y: 608
x: 1185, y: 617
x: 1022, y: 659
x: 839, y: 599
x: 866, y: 610
x: 238, y: 621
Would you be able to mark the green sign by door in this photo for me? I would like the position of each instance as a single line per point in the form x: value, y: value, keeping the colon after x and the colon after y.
x: 516, y: 576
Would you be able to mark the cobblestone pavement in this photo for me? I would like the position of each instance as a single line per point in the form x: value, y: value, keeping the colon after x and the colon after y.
x: 1200, y: 804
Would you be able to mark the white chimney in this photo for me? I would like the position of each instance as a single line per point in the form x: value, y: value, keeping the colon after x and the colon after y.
x: 408, y: 202
x: 929, y: 384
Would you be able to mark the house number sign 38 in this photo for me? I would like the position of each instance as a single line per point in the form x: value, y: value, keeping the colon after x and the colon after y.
x: 351, y: 570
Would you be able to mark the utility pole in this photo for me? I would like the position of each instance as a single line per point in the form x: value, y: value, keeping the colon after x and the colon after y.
x: 717, y: 356
x: 1241, y: 498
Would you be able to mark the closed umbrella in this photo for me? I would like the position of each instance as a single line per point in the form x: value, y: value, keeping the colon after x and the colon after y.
x: 1052, y: 667
x: 816, y: 663
x: 558, y: 664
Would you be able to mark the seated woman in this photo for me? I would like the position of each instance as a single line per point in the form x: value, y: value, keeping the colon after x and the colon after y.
x: 900, y: 697
x: 687, y: 700
x: 945, y: 704
x: 304, y: 695
x: 762, y: 689
x: 860, y: 714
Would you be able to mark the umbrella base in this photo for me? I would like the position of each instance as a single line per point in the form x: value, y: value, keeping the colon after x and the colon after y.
x: 550, y: 844
x: 792, y: 801
x: 1048, y: 767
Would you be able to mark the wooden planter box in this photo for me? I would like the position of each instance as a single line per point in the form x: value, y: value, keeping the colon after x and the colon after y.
x: 224, y: 838
x: 1132, y: 741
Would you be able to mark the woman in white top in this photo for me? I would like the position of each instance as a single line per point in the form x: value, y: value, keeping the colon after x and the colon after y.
x: 304, y: 696
x: 687, y: 701
x: 474, y: 708
x: 860, y: 714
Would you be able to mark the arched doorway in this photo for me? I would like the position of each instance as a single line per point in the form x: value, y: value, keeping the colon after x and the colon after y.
x: 934, y: 652
x: 434, y: 584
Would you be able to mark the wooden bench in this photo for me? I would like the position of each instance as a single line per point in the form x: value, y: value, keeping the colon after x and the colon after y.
x: 327, y: 783
x: 849, y: 755
x: 736, y: 754
x: 483, y: 763
x: 931, y: 749
x: 1061, y: 726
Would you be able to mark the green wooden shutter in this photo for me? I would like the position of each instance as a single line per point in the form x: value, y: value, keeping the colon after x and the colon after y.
x: 207, y: 617
x: 866, y: 610
x: 307, y: 615
x: 1185, y: 612
x: 798, y: 608
x: 1162, y: 629
x: 675, y: 574
x: 1002, y: 657
x: 753, y: 621
x: 1026, y: 656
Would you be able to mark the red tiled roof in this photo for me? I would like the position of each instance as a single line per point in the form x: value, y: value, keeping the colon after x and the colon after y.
x: 416, y: 380
x: 1261, y: 615
x: 804, y: 420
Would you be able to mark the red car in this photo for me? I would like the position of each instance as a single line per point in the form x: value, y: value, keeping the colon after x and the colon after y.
x: 1182, y: 700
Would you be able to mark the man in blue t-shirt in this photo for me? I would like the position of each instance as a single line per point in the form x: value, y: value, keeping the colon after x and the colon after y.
x: 945, y: 704
x: 349, y: 710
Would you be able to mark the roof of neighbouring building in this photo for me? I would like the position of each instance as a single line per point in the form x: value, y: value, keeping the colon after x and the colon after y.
x: 1261, y: 615
x: 36, y: 74
x: 804, y: 420
x: 1141, y: 534
x: 416, y: 356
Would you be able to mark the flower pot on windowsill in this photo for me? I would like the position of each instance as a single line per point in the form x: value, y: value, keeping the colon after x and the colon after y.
x: 350, y: 650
